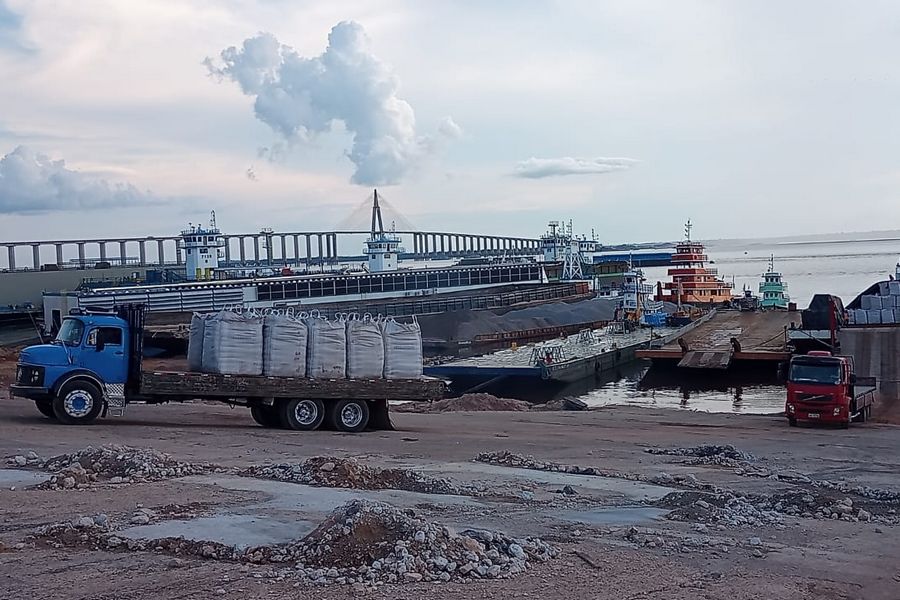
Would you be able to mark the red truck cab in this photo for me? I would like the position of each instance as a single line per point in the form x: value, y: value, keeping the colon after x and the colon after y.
x: 824, y: 388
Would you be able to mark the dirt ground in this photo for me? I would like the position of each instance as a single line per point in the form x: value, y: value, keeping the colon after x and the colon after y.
x: 614, y: 542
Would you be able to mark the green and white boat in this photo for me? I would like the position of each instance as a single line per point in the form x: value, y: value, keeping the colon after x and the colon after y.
x: 772, y: 288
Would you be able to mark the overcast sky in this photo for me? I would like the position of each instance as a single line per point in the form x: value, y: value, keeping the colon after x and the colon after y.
x: 751, y: 118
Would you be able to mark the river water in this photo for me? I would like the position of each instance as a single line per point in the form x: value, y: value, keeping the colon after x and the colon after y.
x: 838, y: 265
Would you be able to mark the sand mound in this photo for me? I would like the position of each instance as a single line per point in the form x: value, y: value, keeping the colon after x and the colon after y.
x: 466, y: 402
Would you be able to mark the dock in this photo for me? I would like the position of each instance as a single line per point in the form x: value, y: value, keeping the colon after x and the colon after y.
x: 726, y: 338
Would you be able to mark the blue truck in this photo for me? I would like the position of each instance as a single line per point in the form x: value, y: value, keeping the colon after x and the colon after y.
x: 93, y: 368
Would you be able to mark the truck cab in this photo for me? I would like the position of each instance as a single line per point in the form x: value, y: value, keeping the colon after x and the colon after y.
x: 824, y: 388
x: 82, y: 373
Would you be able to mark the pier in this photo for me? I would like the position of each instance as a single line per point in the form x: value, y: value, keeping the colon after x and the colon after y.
x: 726, y: 337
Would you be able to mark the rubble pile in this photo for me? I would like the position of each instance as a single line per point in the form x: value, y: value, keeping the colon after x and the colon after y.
x: 325, y: 471
x: 361, y: 542
x: 112, y: 464
x: 510, y: 459
x: 708, y: 454
x: 721, y: 508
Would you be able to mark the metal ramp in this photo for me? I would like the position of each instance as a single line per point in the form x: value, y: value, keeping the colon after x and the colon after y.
x: 706, y: 359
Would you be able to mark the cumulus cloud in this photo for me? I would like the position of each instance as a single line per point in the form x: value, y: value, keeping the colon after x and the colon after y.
x: 537, y: 168
x: 300, y: 98
x: 33, y: 182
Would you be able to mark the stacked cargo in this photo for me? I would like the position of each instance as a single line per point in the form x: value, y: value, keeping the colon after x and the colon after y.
x: 279, y: 344
x: 882, y: 307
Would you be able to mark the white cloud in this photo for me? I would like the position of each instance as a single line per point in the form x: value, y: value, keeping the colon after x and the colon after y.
x: 537, y: 168
x: 31, y: 182
x: 300, y: 98
x: 450, y: 129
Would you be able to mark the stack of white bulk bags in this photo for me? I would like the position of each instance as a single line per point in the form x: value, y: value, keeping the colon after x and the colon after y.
x: 326, y: 350
x: 402, y: 350
x: 284, y: 346
x: 365, y: 348
x: 233, y: 344
x: 195, y: 343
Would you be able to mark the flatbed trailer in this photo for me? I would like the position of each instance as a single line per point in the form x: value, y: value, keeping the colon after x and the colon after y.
x: 94, y: 369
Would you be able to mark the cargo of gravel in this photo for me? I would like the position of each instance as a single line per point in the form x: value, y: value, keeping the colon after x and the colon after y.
x: 466, y: 402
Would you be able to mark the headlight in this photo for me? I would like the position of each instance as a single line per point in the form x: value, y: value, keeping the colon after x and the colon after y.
x: 837, y: 410
x: 791, y: 408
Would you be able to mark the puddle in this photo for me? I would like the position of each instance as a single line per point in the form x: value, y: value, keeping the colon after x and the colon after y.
x: 243, y: 531
x: 11, y: 477
x: 613, y: 515
x: 634, y: 490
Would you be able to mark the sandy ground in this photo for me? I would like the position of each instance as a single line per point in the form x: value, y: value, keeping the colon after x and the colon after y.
x: 801, y: 558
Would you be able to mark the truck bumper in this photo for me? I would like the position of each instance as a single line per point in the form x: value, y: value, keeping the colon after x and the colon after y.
x: 30, y: 392
x: 821, y: 414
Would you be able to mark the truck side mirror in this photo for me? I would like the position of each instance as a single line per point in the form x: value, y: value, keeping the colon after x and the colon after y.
x: 101, y: 343
x: 852, y: 378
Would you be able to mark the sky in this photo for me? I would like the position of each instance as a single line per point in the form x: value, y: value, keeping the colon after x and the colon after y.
x: 753, y: 119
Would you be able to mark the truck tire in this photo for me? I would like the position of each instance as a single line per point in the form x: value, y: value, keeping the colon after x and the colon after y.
x: 45, y: 407
x: 351, y: 416
x: 301, y: 414
x: 78, y: 403
x: 267, y: 416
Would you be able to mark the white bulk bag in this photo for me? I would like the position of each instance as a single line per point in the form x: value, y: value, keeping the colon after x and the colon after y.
x: 402, y: 350
x: 233, y: 344
x: 365, y: 348
x: 284, y: 346
x: 195, y: 343
x: 326, y: 349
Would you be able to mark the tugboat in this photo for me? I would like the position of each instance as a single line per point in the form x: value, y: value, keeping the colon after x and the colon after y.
x: 637, y: 305
x: 692, y: 281
x: 773, y: 288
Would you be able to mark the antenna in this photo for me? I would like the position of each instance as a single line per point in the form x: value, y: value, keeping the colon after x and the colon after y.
x: 212, y: 219
x: 687, y: 230
x: 771, y: 263
x: 376, y: 217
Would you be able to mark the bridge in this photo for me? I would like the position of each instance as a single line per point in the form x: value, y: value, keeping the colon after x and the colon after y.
x: 265, y: 247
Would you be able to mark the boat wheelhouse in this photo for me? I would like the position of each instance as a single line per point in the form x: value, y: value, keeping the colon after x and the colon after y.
x: 692, y: 281
x: 773, y: 288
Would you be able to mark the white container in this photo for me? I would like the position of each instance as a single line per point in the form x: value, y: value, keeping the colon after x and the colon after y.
x: 326, y: 349
x: 365, y: 348
x: 233, y: 344
x: 402, y: 350
x: 284, y: 346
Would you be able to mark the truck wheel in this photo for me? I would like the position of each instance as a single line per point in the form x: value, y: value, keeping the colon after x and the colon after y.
x: 304, y: 414
x: 792, y: 422
x: 351, y: 416
x: 267, y: 416
x: 45, y: 407
x: 78, y: 403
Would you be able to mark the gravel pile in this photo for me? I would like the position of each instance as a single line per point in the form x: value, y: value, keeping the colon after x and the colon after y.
x: 466, y: 402
x: 325, y: 471
x: 708, y: 454
x: 722, y: 508
x: 510, y: 459
x: 362, y: 543
x: 113, y: 464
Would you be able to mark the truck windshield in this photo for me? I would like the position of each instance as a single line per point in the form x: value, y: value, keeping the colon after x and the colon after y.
x: 825, y: 373
x: 70, y: 332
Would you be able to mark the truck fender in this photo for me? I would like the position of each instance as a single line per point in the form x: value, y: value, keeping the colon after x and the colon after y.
x: 79, y: 374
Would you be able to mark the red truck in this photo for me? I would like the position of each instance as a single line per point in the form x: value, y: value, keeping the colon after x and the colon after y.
x: 824, y: 388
